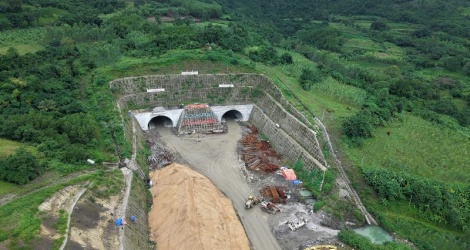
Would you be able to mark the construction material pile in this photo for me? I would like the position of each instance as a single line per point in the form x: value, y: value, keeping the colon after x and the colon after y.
x: 159, y: 156
x: 199, y: 118
x: 189, y: 212
x: 275, y: 194
x: 258, y: 154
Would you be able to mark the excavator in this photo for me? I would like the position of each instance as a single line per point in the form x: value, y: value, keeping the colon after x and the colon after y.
x: 252, y: 201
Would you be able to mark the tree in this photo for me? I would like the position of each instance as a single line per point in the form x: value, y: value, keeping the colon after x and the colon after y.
x: 357, y: 126
x: 79, y: 128
x: 286, y: 59
x: 308, y: 78
x: 20, y: 168
x: 466, y: 69
x: 420, y: 33
x: 378, y: 25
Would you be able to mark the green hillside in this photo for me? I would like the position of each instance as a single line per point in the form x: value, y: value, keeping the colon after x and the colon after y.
x: 390, y: 79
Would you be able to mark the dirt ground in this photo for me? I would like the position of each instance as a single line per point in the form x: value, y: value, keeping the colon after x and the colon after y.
x: 216, y: 157
x: 61, y: 200
x: 189, y: 212
x: 92, y: 224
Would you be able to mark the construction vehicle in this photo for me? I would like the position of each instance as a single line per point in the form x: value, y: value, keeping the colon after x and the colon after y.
x: 269, y: 207
x: 251, y: 201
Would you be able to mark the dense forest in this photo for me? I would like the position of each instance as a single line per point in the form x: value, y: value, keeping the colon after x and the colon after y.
x: 402, y: 58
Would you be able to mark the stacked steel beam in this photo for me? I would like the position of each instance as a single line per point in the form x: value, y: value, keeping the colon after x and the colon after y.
x: 257, y: 153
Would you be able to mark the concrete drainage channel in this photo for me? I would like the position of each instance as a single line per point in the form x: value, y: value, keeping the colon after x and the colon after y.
x: 70, y: 210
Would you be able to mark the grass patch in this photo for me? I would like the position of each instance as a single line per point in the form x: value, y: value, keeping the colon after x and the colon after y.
x: 107, y: 183
x: 19, y: 216
x: 406, y: 221
x: 416, y: 147
x: 344, y: 93
x: 49, y: 178
x: 7, y: 187
x: 8, y: 147
x: 61, y: 225
x: 175, y: 61
x: 22, y: 48
x: 23, y: 40
x: 22, y: 36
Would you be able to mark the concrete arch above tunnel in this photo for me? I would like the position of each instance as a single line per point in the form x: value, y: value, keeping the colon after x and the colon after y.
x: 241, y: 112
x: 144, y: 118
x: 232, y: 114
x: 160, y: 121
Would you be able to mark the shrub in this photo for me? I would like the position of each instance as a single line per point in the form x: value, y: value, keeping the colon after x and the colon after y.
x: 318, y: 205
x: 378, y: 25
x: 357, y: 126
x: 20, y: 168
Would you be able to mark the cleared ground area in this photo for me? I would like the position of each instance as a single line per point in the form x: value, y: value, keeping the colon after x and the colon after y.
x: 189, y: 212
x: 215, y: 157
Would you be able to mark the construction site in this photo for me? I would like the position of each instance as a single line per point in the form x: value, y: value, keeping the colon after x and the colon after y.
x: 244, y: 152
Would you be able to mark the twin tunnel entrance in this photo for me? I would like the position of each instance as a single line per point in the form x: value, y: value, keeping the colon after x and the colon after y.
x: 161, y: 121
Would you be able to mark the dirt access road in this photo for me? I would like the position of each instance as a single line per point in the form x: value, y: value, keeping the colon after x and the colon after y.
x: 215, y: 156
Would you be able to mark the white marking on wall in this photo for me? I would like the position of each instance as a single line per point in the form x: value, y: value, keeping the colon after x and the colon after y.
x: 225, y: 85
x: 155, y: 90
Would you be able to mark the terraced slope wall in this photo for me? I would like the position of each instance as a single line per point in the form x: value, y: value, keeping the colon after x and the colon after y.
x: 293, y: 139
x: 247, y: 88
x: 136, y: 234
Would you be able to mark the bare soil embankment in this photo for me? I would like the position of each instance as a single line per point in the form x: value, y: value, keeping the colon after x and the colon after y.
x: 189, y: 212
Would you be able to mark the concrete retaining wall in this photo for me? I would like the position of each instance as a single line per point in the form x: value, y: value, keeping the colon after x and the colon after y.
x: 247, y: 88
x: 303, y: 135
x: 282, y: 141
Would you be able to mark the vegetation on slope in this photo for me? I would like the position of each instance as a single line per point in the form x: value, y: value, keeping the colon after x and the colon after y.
x: 392, y: 85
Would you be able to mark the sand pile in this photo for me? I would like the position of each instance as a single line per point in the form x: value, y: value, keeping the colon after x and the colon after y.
x: 189, y: 212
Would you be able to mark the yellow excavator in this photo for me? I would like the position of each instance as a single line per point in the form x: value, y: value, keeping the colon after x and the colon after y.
x: 251, y: 201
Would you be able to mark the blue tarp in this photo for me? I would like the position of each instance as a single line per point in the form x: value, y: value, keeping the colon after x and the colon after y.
x: 295, y: 182
x: 118, y: 222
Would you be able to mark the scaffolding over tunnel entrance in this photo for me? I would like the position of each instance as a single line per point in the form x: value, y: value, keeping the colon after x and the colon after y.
x: 199, y: 118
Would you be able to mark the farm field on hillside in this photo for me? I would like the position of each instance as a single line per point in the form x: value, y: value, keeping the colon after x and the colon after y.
x: 8, y: 147
x: 23, y: 40
x: 416, y: 147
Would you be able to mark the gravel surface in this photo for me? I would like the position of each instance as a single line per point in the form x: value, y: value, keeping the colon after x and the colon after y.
x: 216, y: 157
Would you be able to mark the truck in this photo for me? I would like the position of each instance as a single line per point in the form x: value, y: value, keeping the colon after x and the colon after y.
x: 269, y: 207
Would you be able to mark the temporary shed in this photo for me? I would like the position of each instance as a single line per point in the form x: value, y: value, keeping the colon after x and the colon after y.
x: 289, y: 174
